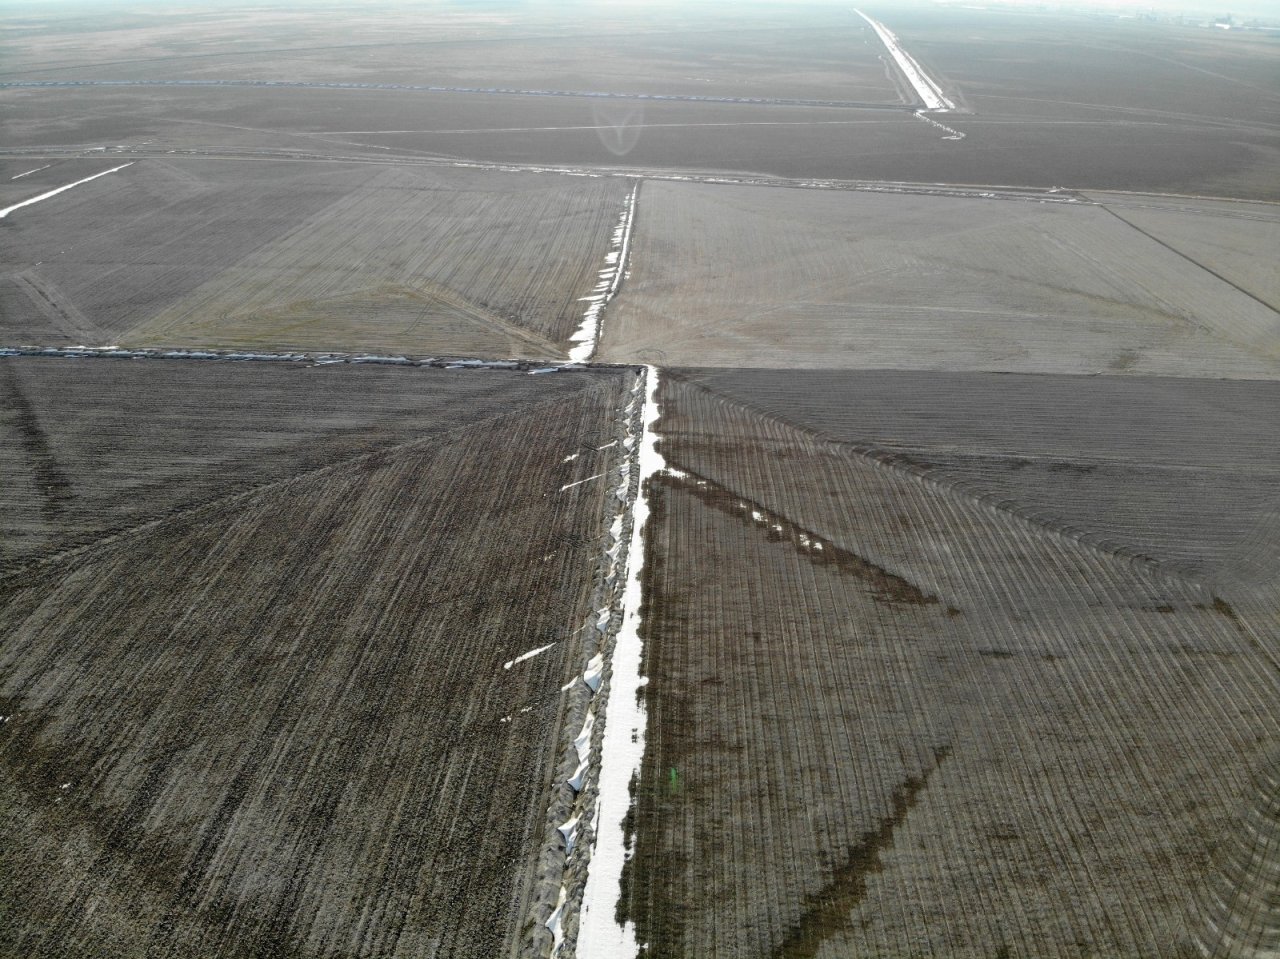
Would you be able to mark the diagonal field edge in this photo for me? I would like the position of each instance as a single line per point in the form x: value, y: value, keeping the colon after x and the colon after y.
x: 892, y: 459
x: 110, y: 538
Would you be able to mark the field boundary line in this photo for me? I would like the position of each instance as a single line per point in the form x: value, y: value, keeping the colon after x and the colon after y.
x: 621, y: 745
x: 1212, y: 272
x: 54, y: 306
x: 112, y: 537
x: 551, y: 903
x: 1138, y: 560
x: 610, y: 281
x: 986, y: 191
x: 486, y: 91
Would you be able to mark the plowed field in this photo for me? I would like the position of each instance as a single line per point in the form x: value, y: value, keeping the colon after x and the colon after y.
x: 271, y: 716
x: 890, y: 717
x: 740, y: 276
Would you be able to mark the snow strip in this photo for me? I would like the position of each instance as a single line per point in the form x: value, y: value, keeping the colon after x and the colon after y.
x: 927, y: 89
x: 44, y: 196
x: 952, y: 134
x: 529, y: 655
x: 599, y: 935
x: 588, y: 333
x: 580, y: 482
x: 29, y: 172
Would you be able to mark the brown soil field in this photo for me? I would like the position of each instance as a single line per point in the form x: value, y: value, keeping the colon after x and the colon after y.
x: 1180, y: 472
x: 890, y: 718
x: 743, y: 276
x: 1100, y: 150
x: 1045, y: 65
x: 310, y: 256
x: 758, y: 50
x: 1056, y: 100
x: 276, y: 721
x: 78, y: 469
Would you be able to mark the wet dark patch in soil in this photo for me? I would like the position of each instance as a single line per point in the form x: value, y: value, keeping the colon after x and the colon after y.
x: 827, y: 912
x: 886, y: 587
x: 51, y: 482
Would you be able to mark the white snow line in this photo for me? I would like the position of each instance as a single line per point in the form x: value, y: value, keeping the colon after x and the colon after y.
x: 44, y: 196
x: 588, y: 334
x: 599, y: 935
x: 29, y: 172
x: 529, y: 655
x: 580, y: 482
x: 927, y: 89
x: 954, y: 134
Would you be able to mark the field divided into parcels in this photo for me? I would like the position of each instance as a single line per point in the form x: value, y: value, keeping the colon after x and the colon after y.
x: 954, y: 474
x: 278, y: 719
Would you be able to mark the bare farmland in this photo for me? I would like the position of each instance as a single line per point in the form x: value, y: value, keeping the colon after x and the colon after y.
x: 761, y: 51
x: 736, y: 276
x: 888, y: 718
x: 1182, y: 472
x: 1059, y: 101
x: 347, y: 257
x: 278, y: 722
x: 1231, y: 239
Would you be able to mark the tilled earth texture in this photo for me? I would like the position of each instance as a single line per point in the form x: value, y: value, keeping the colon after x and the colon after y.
x: 907, y: 700
x: 252, y: 680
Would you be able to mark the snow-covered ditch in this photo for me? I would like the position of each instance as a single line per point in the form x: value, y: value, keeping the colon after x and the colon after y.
x: 588, y: 334
x: 930, y: 93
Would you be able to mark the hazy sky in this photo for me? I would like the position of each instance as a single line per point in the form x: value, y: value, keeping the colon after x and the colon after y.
x: 1240, y: 9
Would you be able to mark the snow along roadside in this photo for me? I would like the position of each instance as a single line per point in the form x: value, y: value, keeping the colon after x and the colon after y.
x: 44, y: 196
x: 929, y: 92
x: 588, y: 333
x: 599, y: 934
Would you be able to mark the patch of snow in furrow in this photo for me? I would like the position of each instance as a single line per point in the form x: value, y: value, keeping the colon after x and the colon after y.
x: 594, y: 673
x: 580, y: 482
x: 526, y: 656
x: 928, y: 91
x: 599, y: 935
x: 29, y: 172
x: 588, y: 334
x: 569, y: 829
x: 62, y: 189
x: 554, y: 923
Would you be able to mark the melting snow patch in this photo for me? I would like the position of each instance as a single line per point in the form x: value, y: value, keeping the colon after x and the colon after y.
x: 624, y: 734
x: 580, y: 482
x: 595, y: 670
x: 529, y: 655
x: 588, y: 333
x: 569, y: 830
x: 44, y: 196
x: 554, y: 922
